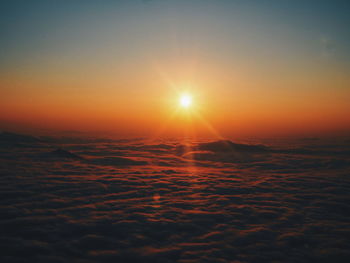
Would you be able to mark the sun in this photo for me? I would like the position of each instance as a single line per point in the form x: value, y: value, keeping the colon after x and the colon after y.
x: 185, y: 100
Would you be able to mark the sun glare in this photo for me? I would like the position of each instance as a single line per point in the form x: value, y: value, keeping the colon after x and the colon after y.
x: 185, y: 100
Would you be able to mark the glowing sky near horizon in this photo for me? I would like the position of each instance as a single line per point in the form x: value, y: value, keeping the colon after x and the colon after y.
x: 255, y: 67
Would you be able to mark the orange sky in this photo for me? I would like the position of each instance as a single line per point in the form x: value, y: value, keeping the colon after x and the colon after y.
x: 234, y: 103
x: 123, y: 74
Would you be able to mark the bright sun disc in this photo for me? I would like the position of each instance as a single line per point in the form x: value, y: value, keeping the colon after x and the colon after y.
x: 185, y: 100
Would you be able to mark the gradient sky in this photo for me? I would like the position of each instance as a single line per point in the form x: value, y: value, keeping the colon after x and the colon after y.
x: 255, y: 68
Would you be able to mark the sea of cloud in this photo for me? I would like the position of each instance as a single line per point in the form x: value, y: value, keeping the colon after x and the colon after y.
x: 135, y: 201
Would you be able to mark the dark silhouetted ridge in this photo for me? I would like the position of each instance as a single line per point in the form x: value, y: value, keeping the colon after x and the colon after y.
x: 10, y: 137
x: 60, y: 153
x: 228, y: 146
x: 117, y: 161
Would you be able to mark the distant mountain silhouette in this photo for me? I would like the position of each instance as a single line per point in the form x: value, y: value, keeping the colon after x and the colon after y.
x: 10, y: 139
x: 117, y: 161
x: 76, y: 140
x: 222, y: 147
x: 228, y: 146
x: 61, y: 153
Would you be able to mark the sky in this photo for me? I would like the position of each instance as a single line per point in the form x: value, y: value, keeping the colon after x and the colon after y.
x: 253, y: 68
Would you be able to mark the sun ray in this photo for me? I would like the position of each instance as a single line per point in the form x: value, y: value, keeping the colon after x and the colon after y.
x: 209, y: 127
x: 164, y: 126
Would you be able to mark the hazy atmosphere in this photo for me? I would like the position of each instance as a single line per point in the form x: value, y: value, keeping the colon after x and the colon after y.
x: 254, y: 67
x: 163, y: 131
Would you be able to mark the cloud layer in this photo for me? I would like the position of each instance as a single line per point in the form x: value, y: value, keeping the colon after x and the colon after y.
x: 129, y: 201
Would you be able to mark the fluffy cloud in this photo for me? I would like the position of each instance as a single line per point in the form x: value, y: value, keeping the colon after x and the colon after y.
x: 131, y: 202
